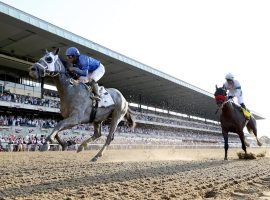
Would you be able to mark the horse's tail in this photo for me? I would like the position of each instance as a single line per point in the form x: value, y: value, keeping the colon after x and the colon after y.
x: 129, y: 116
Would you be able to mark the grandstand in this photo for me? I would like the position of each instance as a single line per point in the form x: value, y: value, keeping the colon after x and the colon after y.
x: 169, y: 111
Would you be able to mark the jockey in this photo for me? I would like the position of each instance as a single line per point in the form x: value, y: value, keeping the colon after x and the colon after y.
x: 235, y: 90
x: 88, y: 69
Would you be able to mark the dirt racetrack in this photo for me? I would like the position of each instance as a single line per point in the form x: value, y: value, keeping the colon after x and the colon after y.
x: 134, y: 174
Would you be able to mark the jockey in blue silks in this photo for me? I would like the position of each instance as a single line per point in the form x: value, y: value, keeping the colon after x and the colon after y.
x: 88, y: 69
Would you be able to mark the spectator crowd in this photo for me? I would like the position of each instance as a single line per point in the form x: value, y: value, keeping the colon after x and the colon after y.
x: 152, y: 128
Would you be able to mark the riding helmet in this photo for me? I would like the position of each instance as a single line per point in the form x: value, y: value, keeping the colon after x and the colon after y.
x: 72, y: 51
x: 229, y: 76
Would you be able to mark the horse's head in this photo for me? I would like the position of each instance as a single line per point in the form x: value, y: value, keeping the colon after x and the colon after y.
x: 220, y: 95
x: 48, y: 65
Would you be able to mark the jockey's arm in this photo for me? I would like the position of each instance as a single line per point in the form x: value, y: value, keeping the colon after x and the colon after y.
x: 238, y: 89
x: 81, y: 72
x: 82, y: 69
x: 238, y: 92
x: 237, y: 85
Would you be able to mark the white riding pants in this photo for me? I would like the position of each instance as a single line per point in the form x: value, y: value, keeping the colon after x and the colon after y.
x: 95, y: 75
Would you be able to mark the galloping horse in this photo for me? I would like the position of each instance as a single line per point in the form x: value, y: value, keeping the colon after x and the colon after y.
x: 76, y: 104
x: 233, y: 120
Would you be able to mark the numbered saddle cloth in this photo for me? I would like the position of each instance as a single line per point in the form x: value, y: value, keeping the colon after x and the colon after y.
x: 106, y: 99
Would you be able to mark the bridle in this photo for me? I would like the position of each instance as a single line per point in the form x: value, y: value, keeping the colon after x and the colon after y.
x: 221, y: 100
x: 49, y: 63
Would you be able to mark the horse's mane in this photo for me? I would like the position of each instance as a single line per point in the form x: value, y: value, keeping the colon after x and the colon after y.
x: 70, y: 74
x: 235, y: 106
x: 63, y: 61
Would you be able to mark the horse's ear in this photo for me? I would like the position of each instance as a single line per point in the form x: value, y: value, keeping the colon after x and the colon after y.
x: 46, y: 51
x: 57, y: 51
x: 216, y: 87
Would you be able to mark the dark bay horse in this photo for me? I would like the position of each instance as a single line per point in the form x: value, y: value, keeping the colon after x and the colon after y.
x: 233, y: 120
x: 76, y: 104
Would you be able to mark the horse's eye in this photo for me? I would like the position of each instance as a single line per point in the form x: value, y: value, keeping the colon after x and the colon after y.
x: 48, y: 59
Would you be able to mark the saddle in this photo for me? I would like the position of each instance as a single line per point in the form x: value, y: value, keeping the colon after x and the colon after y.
x: 245, y: 112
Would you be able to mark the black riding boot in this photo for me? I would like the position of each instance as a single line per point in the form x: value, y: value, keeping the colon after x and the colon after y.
x: 243, y: 106
x: 94, y: 87
x: 245, y: 111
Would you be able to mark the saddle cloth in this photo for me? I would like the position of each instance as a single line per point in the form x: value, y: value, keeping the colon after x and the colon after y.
x: 106, y: 99
x: 246, y: 113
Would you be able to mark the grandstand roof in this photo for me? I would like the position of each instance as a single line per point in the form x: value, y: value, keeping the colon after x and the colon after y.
x: 23, y: 39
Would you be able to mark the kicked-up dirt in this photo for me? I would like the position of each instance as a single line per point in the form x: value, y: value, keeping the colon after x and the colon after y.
x: 134, y: 174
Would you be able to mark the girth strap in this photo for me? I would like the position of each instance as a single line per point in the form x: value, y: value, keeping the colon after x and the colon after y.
x: 93, y: 111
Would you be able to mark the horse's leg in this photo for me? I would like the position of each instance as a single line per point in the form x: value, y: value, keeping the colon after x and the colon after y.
x: 252, y: 128
x: 62, y: 125
x: 61, y: 142
x: 255, y: 134
x: 97, y: 134
x: 116, y: 118
x: 242, y: 138
x: 226, y: 145
x: 246, y: 143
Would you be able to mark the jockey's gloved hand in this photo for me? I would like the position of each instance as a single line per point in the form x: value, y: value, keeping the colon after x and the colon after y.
x: 230, y: 97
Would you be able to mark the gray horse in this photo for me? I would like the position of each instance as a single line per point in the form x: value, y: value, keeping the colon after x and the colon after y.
x: 76, y: 104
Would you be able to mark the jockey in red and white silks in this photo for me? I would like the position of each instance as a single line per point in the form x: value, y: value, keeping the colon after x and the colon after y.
x: 234, y: 88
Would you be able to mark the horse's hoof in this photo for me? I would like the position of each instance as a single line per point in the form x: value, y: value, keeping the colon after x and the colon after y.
x: 80, y: 148
x: 65, y: 147
x: 259, y: 143
x: 94, y: 159
x: 45, y: 147
x: 225, y: 158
